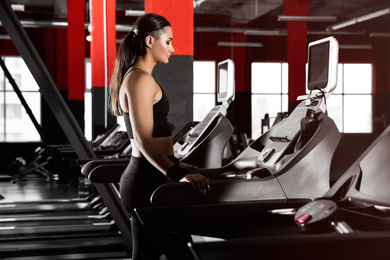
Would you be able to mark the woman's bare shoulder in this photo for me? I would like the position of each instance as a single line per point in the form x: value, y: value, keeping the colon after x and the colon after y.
x: 139, y: 80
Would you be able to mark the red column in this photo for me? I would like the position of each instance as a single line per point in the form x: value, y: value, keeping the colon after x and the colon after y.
x: 103, y: 44
x: 76, y: 58
x: 296, y: 49
x: 181, y: 16
x: 61, y: 59
x: 238, y: 56
x: 103, y: 53
x: 76, y: 49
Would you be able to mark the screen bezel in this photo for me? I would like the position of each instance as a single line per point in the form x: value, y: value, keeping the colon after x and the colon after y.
x: 229, y: 93
x: 330, y: 83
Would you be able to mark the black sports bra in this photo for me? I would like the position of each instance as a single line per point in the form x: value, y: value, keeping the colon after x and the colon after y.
x: 160, y: 119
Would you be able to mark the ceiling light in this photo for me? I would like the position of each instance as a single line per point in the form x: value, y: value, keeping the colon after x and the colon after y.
x: 247, y: 31
x: 220, y: 29
x: 266, y: 32
x: 337, y: 33
x: 341, y: 25
x: 123, y: 28
x: 47, y: 24
x: 134, y: 12
x: 373, y: 15
x: 5, y: 37
x: 17, y: 8
x: 379, y: 35
x: 359, y: 19
x: 240, y: 44
x: 287, y: 18
x: 355, y: 46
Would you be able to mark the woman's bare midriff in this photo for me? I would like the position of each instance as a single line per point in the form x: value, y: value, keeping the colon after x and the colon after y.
x: 165, y: 143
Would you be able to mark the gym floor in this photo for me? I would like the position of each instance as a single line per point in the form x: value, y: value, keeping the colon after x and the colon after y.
x: 36, y: 188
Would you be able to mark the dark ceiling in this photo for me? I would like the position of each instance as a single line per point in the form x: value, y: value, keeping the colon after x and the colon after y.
x: 261, y: 15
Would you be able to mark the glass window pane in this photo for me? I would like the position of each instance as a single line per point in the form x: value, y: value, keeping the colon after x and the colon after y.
x: 340, y: 76
x: 21, y: 74
x: 266, y: 77
x: 204, y: 77
x: 335, y: 110
x: 284, y: 103
x: 19, y: 126
x: 262, y: 104
x: 357, y: 78
x: 2, y: 117
x: 358, y: 114
x: 2, y: 80
x: 88, y: 75
x: 203, y: 103
x: 88, y: 115
x: 284, y: 78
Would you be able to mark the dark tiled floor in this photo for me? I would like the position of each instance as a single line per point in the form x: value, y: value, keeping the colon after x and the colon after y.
x: 36, y: 188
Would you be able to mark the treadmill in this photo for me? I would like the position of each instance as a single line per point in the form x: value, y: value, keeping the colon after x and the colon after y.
x: 287, y: 166
x: 64, y: 241
x: 351, y: 220
x: 244, y: 190
x: 204, y: 143
x: 201, y: 144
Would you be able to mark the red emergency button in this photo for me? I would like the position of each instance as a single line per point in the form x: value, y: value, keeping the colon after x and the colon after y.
x: 302, y: 219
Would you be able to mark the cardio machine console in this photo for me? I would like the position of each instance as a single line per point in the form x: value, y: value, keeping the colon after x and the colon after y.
x: 281, y: 140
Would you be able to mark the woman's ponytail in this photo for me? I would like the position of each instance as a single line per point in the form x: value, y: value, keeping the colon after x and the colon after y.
x: 132, y: 46
x: 125, y: 58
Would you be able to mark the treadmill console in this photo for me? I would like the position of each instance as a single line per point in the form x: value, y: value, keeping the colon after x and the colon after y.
x: 278, y: 143
x: 322, y: 65
x: 225, y: 95
x: 321, y: 82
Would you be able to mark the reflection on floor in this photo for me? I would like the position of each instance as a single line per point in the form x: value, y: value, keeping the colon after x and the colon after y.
x: 36, y: 187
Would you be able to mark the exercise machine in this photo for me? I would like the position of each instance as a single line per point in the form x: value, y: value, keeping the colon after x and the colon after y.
x: 201, y: 144
x: 351, y: 221
x: 204, y: 143
x: 257, y: 180
x: 81, y: 147
x: 282, y: 163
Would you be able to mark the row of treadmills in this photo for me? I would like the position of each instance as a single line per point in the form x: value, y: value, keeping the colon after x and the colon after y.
x: 272, y: 201
x: 76, y: 228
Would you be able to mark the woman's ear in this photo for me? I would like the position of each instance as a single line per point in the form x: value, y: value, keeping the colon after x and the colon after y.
x: 148, y: 41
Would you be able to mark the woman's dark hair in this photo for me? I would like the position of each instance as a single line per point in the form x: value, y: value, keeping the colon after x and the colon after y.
x: 132, y: 46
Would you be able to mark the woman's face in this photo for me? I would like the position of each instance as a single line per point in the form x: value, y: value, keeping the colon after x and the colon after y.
x: 162, y: 48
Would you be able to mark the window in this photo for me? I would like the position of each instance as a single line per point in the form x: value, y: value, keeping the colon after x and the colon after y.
x: 88, y: 101
x: 15, y: 123
x: 351, y: 104
x: 269, y: 92
x: 204, y: 88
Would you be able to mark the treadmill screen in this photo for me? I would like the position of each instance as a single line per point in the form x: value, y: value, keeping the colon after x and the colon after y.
x: 226, y: 84
x: 222, y: 78
x: 318, y: 66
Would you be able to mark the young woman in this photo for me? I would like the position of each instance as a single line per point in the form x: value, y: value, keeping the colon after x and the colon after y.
x: 144, y: 106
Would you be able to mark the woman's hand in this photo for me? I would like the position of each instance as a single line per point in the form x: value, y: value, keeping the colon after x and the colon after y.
x: 198, y: 182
